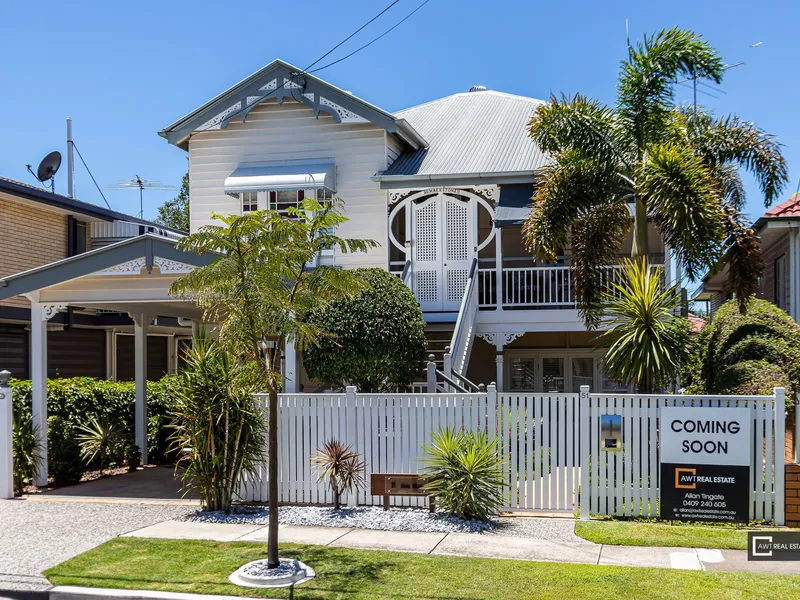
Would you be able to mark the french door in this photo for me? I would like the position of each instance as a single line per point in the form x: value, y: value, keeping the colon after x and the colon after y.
x: 443, y: 248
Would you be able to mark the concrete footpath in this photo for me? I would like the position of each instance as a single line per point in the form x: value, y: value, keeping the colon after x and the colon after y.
x: 475, y: 545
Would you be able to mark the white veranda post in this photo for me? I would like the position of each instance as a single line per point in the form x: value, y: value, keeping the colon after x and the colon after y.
x: 141, y: 322
x: 40, y: 314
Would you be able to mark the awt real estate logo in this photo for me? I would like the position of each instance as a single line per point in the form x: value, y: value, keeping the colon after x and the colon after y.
x: 784, y: 545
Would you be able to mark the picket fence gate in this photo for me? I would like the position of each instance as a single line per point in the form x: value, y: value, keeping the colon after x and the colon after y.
x: 550, y: 445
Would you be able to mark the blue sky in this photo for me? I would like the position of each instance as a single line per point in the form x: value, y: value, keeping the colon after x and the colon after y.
x: 124, y: 71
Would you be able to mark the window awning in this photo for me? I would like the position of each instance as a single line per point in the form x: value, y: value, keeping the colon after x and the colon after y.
x: 272, y: 177
x: 514, y: 205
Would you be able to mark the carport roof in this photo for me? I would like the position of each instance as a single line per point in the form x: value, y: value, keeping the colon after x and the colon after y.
x: 145, y: 246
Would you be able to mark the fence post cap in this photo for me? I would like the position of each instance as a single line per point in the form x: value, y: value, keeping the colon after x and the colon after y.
x: 446, y: 350
x: 5, y: 375
x: 431, y: 357
x: 350, y: 388
x: 584, y: 388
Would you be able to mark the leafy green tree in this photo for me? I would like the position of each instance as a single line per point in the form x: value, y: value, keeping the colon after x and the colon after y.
x: 745, y: 353
x: 677, y: 167
x: 175, y: 213
x: 377, y: 340
x: 647, y: 342
x: 261, y: 291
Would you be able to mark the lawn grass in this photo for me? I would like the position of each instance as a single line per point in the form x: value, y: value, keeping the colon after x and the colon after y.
x: 643, y: 533
x: 203, y: 567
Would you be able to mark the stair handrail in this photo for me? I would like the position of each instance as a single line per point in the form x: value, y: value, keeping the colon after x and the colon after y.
x: 468, y: 304
x: 406, y: 273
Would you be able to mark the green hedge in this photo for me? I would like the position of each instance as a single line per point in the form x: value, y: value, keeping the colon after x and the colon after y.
x: 73, y: 401
x: 749, y: 353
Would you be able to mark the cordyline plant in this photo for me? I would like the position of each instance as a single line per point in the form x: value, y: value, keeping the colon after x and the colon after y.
x: 678, y: 167
x: 342, y: 467
x: 261, y: 290
x: 648, y: 342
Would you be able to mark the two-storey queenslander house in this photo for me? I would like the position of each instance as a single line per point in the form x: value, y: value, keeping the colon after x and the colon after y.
x: 444, y: 187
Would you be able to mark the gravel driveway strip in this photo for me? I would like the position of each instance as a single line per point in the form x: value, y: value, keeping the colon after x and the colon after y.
x: 36, y: 535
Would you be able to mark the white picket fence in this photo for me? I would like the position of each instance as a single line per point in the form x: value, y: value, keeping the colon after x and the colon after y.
x: 550, y: 444
x: 626, y: 483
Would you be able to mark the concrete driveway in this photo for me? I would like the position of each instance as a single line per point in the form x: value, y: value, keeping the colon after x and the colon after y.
x: 40, y: 533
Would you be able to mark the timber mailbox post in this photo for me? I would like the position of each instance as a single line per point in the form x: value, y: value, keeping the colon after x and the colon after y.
x: 400, y: 484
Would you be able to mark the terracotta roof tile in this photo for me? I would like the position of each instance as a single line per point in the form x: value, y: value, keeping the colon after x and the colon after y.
x: 790, y: 208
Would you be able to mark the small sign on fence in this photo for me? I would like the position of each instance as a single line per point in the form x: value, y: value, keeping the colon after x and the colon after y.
x: 705, y: 463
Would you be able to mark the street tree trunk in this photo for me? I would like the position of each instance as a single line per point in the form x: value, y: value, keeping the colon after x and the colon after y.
x: 641, y: 245
x: 273, y: 558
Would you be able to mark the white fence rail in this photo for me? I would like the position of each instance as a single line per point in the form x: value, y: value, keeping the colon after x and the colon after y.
x: 626, y: 483
x: 550, y: 445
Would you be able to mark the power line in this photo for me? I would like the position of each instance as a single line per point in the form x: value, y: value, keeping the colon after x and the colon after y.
x: 352, y: 35
x: 90, y: 174
x: 408, y: 16
x: 305, y: 71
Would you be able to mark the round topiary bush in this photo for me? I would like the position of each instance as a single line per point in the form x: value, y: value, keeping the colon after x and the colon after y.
x: 377, y: 340
x: 747, y: 353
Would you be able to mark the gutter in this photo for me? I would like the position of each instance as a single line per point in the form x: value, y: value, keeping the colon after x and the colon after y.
x: 401, y: 181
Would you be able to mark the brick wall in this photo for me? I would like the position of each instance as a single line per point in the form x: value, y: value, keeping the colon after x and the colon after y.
x: 32, y: 237
x: 793, y: 495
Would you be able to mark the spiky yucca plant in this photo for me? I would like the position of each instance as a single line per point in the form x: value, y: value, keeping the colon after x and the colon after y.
x: 466, y: 473
x: 342, y: 467
x: 102, y: 440
x: 648, y: 342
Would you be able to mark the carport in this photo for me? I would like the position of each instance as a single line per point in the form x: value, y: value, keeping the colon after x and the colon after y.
x: 133, y: 277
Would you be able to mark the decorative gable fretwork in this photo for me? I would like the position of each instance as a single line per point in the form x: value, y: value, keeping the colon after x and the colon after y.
x: 280, y: 88
x: 134, y: 267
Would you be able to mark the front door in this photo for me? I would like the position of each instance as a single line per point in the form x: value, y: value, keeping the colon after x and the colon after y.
x: 443, y: 248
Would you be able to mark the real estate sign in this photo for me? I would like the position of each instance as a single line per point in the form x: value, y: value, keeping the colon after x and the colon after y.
x: 705, y: 463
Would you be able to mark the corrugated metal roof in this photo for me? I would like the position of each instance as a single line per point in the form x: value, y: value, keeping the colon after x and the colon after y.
x: 473, y: 132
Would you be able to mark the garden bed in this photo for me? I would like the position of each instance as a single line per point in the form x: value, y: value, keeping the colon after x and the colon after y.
x: 395, y: 519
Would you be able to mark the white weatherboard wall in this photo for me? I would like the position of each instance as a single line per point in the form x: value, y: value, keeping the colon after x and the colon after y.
x: 287, y: 132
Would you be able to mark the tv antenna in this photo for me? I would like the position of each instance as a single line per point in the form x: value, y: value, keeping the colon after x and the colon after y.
x: 47, y: 169
x: 141, y: 184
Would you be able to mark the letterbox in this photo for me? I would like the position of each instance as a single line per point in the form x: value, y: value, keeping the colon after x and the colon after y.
x: 610, y: 432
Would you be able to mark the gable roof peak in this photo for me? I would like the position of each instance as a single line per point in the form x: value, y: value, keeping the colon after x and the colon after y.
x: 280, y: 79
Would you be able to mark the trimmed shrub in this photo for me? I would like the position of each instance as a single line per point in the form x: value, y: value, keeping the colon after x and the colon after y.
x: 745, y: 353
x: 64, y: 453
x: 377, y: 340
x: 76, y: 400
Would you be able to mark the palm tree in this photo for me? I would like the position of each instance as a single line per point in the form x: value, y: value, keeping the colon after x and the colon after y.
x: 261, y: 290
x: 677, y: 168
x: 648, y: 343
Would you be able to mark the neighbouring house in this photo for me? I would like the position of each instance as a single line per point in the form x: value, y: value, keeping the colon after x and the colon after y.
x: 444, y: 187
x: 779, y: 235
x: 39, y: 227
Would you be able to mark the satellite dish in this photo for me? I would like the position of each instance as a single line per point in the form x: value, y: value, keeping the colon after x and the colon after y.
x: 49, y: 166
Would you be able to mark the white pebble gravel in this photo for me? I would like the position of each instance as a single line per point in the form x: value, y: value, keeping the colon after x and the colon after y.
x: 259, y: 569
x: 363, y: 517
